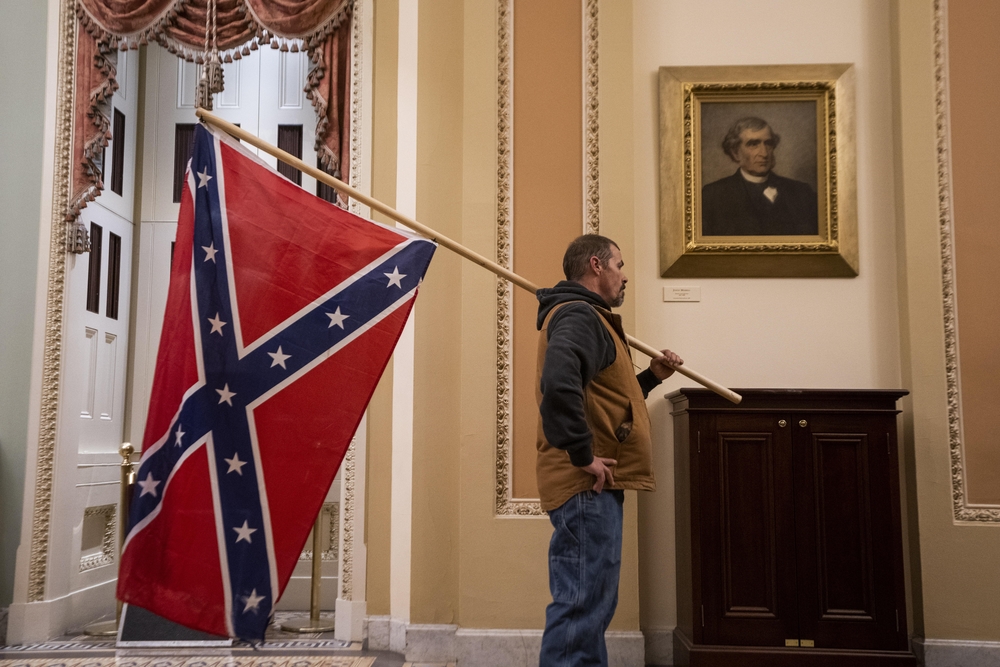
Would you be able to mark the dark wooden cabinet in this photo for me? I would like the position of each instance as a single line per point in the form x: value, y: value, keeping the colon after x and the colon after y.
x: 789, y: 547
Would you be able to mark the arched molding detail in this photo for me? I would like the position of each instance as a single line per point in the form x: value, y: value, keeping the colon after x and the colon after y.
x: 963, y: 510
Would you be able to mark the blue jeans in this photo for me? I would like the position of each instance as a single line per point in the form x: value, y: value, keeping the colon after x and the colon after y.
x: 585, y: 557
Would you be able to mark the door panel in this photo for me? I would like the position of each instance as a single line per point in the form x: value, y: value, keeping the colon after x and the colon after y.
x: 98, y: 320
x: 749, y: 576
x: 842, y: 504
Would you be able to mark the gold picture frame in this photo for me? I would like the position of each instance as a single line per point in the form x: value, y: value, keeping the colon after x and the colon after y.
x: 727, y: 229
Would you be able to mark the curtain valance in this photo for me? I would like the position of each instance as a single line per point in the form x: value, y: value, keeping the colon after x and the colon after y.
x: 321, y: 27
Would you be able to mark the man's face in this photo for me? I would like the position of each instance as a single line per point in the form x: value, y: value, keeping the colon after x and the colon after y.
x: 612, y: 279
x: 755, y: 153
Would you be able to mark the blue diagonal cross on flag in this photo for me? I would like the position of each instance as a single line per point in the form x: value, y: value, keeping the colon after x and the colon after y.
x: 282, y: 313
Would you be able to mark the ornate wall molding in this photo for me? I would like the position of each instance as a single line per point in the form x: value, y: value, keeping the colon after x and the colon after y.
x: 348, y: 469
x: 355, y: 175
x: 963, y: 511
x: 592, y: 208
x: 41, y: 515
x: 505, y: 503
x: 106, y: 556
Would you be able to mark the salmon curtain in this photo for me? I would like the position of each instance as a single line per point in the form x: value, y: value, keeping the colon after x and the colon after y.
x: 321, y: 27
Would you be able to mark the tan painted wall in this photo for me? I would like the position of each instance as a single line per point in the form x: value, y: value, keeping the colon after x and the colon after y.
x: 973, y: 65
x: 958, y: 575
x: 379, y: 481
x: 503, y: 569
x: 437, y: 396
x: 548, y: 190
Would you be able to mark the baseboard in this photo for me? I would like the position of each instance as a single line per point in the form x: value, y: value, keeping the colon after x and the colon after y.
x: 378, y: 633
x: 30, y: 622
x: 659, y: 646
x: 473, y: 647
x: 956, y: 653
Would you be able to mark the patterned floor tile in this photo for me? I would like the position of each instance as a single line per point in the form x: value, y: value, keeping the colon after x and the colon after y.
x: 195, y: 661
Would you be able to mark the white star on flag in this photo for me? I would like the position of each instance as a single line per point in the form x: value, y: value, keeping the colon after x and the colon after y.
x: 235, y: 465
x: 203, y: 178
x: 225, y: 396
x: 148, y: 485
x: 217, y: 324
x: 253, y: 601
x: 210, y: 251
x: 179, y: 434
x: 279, y: 358
x: 395, y: 277
x: 337, y: 319
x: 244, y: 533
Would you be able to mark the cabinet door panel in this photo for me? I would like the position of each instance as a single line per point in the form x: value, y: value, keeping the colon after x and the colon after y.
x: 843, y: 522
x: 749, y: 555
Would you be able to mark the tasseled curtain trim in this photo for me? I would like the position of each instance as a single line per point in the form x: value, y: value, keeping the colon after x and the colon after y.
x: 107, y: 26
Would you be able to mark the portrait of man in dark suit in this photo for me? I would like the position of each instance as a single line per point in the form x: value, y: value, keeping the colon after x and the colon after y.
x: 755, y: 201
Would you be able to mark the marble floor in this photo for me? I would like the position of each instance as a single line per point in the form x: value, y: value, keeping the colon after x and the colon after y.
x: 280, y: 649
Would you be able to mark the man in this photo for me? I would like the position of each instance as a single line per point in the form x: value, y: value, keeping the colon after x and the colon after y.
x: 755, y: 201
x: 593, y: 442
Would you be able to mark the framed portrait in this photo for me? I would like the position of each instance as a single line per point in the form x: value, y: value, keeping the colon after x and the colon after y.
x: 757, y: 171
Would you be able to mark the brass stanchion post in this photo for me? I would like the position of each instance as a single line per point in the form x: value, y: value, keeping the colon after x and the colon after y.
x: 313, y: 623
x: 110, y: 628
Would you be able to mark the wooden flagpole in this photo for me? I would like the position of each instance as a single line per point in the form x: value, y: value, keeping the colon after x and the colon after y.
x: 376, y: 205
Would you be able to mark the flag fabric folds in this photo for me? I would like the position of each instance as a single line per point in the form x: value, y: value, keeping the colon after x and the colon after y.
x: 282, y: 313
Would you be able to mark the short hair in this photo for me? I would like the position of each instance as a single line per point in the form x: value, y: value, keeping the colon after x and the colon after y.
x: 576, y: 261
x: 732, y: 140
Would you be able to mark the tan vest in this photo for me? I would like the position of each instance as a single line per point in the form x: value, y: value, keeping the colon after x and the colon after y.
x: 611, y: 400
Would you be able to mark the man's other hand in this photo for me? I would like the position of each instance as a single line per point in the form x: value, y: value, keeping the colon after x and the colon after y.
x: 663, y: 367
x: 601, y: 470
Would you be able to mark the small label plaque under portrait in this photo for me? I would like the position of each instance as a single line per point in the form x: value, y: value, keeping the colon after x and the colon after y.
x: 682, y: 293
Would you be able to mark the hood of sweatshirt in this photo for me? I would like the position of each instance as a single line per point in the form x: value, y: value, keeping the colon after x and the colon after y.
x: 565, y: 290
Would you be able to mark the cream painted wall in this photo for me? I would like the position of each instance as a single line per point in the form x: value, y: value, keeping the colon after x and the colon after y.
x: 840, y: 333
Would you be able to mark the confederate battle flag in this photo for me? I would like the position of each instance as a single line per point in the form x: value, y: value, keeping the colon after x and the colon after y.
x: 282, y: 313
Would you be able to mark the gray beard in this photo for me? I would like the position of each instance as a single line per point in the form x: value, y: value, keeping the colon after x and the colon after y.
x: 619, y: 301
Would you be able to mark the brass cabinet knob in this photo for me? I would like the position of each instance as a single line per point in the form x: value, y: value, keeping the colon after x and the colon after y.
x: 782, y: 423
x: 803, y: 423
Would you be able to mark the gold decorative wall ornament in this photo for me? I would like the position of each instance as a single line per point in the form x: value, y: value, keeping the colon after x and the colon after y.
x: 592, y: 208
x: 106, y: 556
x: 355, y: 174
x: 963, y: 511
x: 347, y: 473
x: 706, y: 227
x: 41, y: 513
x: 505, y: 504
